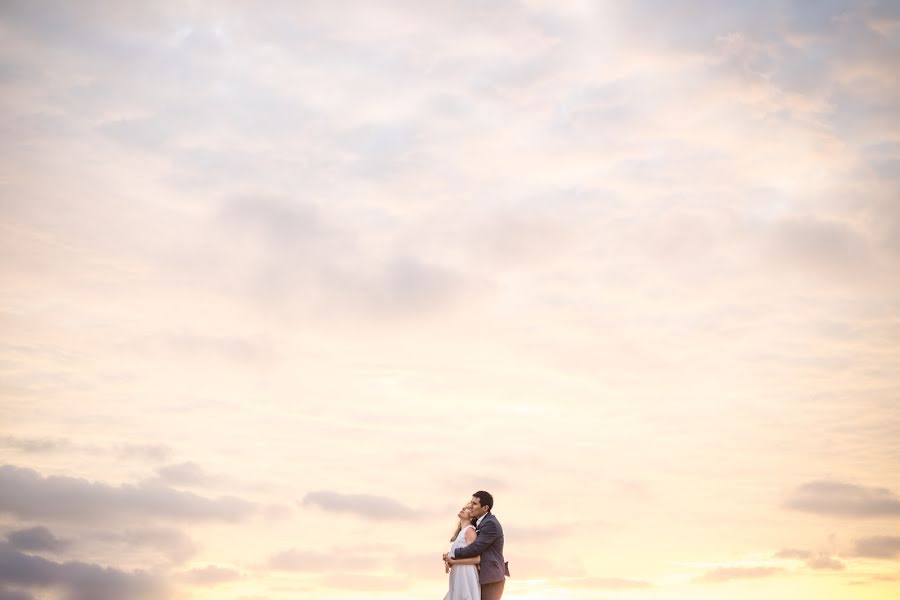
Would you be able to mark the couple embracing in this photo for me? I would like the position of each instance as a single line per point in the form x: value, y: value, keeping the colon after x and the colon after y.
x: 475, y: 561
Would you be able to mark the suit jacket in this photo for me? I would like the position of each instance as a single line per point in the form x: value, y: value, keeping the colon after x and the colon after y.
x: 488, y: 545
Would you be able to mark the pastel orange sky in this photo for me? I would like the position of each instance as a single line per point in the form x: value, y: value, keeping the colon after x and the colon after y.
x: 284, y: 283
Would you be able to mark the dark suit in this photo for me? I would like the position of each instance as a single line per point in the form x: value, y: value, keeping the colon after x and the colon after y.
x: 489, y: 545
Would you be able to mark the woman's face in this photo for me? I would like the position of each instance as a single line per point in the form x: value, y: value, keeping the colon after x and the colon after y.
x: 465, y: 512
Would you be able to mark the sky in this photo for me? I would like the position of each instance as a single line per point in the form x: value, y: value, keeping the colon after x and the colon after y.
x: 282, y: 284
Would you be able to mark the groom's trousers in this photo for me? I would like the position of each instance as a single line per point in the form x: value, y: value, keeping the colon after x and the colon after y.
x: 492, y: 591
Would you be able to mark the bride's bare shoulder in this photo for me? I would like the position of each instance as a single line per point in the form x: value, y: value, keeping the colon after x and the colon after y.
x: 470, y: 534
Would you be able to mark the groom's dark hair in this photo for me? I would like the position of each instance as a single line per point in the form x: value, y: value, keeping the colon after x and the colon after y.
x: 485, y: 499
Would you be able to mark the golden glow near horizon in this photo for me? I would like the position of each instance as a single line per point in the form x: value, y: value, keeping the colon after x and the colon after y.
x: 282, y: 286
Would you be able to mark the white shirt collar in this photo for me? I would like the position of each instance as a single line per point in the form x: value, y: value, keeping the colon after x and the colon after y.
x: 481, y: 518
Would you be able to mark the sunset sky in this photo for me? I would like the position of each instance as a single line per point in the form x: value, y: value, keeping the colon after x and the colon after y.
x: 282, y: 284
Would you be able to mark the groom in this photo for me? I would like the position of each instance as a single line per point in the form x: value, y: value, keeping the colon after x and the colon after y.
x: 489, y: 545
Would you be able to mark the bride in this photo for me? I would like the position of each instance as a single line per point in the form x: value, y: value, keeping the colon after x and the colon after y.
x: 464, y: 574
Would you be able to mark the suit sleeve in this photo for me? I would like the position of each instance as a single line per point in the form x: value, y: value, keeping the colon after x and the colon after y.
x: 486, y: 537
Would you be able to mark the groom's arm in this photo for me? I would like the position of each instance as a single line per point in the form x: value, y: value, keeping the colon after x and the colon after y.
x: 486, y: 537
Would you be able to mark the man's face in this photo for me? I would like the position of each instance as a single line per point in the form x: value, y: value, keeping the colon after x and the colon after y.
x: 478, y: 510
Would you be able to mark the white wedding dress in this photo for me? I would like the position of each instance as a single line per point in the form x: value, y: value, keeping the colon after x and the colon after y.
x: 463, y: 578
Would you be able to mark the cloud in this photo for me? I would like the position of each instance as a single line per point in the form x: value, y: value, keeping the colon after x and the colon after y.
x: 239, y: 349
x: 38, y: 445
x: 382, y: 149
x: 35, y: 539
x: 722, y: 574
x: 587, y: 203
x: 8, y: 594
x: 405, y: 284
x: 878, y: 547
x: 79, y: 580
x: 26, y: 494
x: 295, y: 245
x: 151, y: 452
x: 313, y: 561
x: 838, y: 499
x: 791, y: 553
x: 172, y: 543
x: 829, y: 246
x: 209, y: 575
x: 825, y: 563
x: 186, y: 473
x: 363, y: 505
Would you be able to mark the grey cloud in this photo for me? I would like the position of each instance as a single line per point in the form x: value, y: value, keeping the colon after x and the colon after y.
x: 523, y: 73
x: 731, y: 573
x: 844, y: 500
x: 407, y: 283
x: 300, y: 247
x: 237, y: 349
x: 609, y: 107
x: 878, y: 547
x: 791, y: 553
x: 277, y: 512
x: 382, y: 149
x: 668, y: 28
x: 282, y: 222
x: 78, y: 580
x: 296, y: 246
x: 816, y: 17
x: 826, y: 245
x: 826, y: 563
x: 36, y: 445
x: 770, y: 20
x: 186, y: 473
x: 363, y: 505
x: 25, y: 493
x: 90, y: 26
x: 172, y: 543
x: 507, y: 238
x: 148, y: 132
x: 885, y: 9
x: 151, y: 452
x: 209, y: 575
x: 36, y: 539
x: 8, y: 594
x: 312, y: 561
